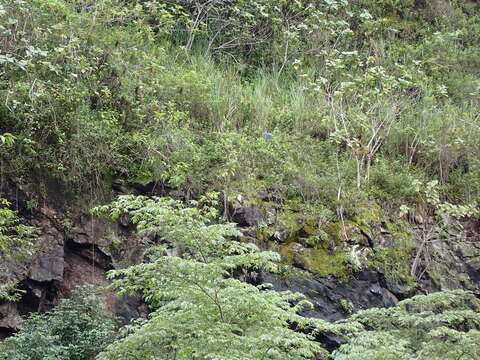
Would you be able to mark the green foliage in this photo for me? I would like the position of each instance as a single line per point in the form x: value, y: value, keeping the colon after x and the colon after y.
x: 362, y: 98
x: 347, y: 306
x: 77, y: 329
x: 200, y: 307
x: 61, y: 89
x: 391, y: 181
x: 7, y: 139
x: 17, y: 244
x: 356, y: 94
x: 445, y: 210
x: 442, y: 325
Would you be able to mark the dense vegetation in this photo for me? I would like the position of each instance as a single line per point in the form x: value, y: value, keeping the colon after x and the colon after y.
x: 359, y: 95
x: 203, y: 310
x: 77, y: 329
x: 200, y: 310
x: 17, y: 244
x: 444, y: 325
x: 345, y: 113
x: 372, y: 106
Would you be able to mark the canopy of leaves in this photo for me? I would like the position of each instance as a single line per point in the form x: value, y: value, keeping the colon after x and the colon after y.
x: 443, y: 325
x: 202, y: 309
x: 77, y: 329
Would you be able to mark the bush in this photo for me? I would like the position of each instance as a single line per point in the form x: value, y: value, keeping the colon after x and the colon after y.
x: 444, y: 325
x: 77, y: 329
x: 17, y: 243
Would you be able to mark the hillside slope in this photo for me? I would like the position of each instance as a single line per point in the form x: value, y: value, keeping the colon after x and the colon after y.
x: 342, y: 135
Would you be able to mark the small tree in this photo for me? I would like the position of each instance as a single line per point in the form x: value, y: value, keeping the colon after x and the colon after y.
x: 200, y: 309
x: 77, y: 329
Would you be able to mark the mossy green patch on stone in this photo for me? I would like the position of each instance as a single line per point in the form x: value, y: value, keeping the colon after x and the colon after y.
x: 319, y: 261
x: 369, y: 213
x: 394, y: 261
x: 324, y: 263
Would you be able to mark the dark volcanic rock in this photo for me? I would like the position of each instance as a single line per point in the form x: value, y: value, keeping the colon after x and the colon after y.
x: 330, y: 341
x: 47, y: 268
x: 130, y: 307
x: 8, y: 317
x: 398, y: 287
x: 55, y: 270
x: 37, y: 296
x: 247, y: 216
x: 326, y: 295
x: 125, y: 220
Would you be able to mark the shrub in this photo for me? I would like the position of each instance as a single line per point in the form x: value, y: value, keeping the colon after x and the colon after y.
x: 443, y: 325
x: 17, y: 243
x: 77, y: 329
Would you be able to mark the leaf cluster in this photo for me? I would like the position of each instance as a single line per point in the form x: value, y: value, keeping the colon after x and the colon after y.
x: 17, y: 244
x: 77, y: 329
x: 440, y: 325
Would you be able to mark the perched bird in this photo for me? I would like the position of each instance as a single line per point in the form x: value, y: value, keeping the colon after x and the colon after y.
x: 267, y: 136
x: 240, y: 199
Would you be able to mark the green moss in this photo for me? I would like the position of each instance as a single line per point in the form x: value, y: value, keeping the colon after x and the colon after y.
x: 318, y: 261
x: 395, y: 260
x: 369, y: 213
x: 263, y: 233
x: 324, y: 263
x: 340, y: 231
x: 309, y: 228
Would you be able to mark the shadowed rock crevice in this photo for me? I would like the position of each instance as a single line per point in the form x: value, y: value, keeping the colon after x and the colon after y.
x: 38, y: 296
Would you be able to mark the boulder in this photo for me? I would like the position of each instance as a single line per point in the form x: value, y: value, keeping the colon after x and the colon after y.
x: 8, y: 317
x: 47, y: 267
x: 326, y: 294
x: 247, y: 216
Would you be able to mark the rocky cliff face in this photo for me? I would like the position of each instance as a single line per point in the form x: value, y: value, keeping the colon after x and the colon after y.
x: 77, y: 248
x: 69, y: 254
